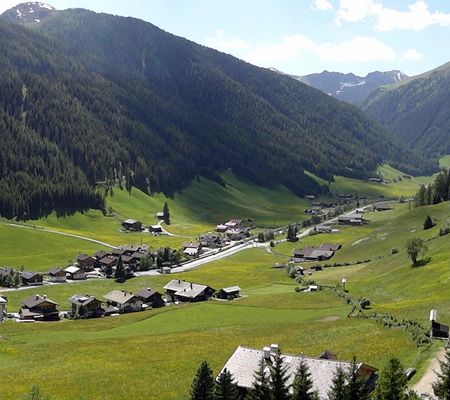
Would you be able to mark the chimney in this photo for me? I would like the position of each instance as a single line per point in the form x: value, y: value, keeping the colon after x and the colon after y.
x: 433, y: 315
x: 45, y: 296
x: 37, y: 297
x: 266, y: 353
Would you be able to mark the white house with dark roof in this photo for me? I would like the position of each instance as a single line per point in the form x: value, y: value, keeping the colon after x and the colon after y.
x: 124, y: 301
x: 179, y: 290
x: 245, y: 361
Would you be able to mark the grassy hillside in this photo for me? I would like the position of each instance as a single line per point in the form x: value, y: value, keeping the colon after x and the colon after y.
x: 194, y: 211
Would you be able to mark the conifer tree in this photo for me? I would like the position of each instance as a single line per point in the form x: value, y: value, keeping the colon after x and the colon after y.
x: 120, y: 271
x: 279, y: 390
x: 203, y: 384
x: 338, y: 388
x: 166, y: 214
x: 392, y: 382
x: 303, y: 384
x: 260, y: 389
x: 356, y: 385
x: 441, y: 387
x: 428, y: 223
x: 225, y: 388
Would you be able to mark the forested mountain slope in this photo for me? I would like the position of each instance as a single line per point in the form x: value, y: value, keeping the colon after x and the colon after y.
x: 417, y: 111
x: 119, y: 99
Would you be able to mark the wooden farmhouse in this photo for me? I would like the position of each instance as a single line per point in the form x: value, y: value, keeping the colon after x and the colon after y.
x: 86, y: 262
x: 179, y: 290
x: 56, y: 275
x: 124, y: 301
x: 132, y: 225
x: 75, y: 273
x: 31, y: 278
x: 85, y: 306
x: 151, y: 298
x: 229, y: 293
x: 351, y: 219
x: 39, y: 308
x: 245, y: 362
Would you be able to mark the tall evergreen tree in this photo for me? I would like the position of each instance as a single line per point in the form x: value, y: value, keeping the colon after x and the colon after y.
x: 260, y: 389
x: 225, y: 388
x: 356, y: 384
x: 338, y: 388
x: 119, y: 274
x: 166, y: 213
x: 442, y: 386
x: 279, y: 390
x: 203, y: 384
x: 392, y: 382
x: 302, y: 384
x: 428, y: 223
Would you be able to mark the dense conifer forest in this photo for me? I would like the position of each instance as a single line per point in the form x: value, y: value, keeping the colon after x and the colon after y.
x: 88, y: 98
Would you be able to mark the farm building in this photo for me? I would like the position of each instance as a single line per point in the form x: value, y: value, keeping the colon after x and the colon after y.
x: 323, y: 229
x: 245, y: 362
x: 330, y: 246
x: 75, y: 273
x: 381, y: 207
x: 178, y: 290
x: 156, y: 229
x: 3, y: 308
x: 101, y: 254
x: 124, y: 301
x: 85, y: 262
x: 39, y: 308
x: 86, y: 306
x: 192, y: 249
x: 233, y: 223
x: 351, y: 219
x: 312, y: 254
x: 221, y: 228
x: 151, y: 298
x: 229, y: 293
x: 108, y: 262
x: 132, y: 225
x: 57, y: 275
x: 159, y: 215
x: 31, y: 278
x: 211, y: 241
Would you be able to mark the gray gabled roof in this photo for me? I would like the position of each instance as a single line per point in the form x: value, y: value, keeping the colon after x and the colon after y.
x: 119, y: 296
x: 231, y: 289
x: 36, y: 300
x: 245, y: 361
x: 29, y: 275
x: 145, y: 293
x: 185, y: 289
x: 82, y: 300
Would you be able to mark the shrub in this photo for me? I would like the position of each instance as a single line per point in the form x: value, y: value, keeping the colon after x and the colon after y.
x: 394, y: 250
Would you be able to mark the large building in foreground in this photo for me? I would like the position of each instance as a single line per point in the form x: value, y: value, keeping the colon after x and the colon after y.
x: 245, y: 361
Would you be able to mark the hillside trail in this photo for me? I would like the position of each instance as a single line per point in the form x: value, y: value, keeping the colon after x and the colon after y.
x: 424, y: 386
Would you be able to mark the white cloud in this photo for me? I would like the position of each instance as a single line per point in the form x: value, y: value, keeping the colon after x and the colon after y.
x: 416, y: 18
x: 222, y: 42
x: 360, y: 49
x: 321, y: 5
x: 412, y: 55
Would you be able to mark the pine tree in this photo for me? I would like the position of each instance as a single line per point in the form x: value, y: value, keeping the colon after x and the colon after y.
x: 420, y: 196
x: 225, y: 388
x: 303, y: 383
x: 338, y: 388
x: 428, y: 224
x: 35, y: 394
x: 442, y: 386
x: 279, y: 390
x: 166, y: 214
x: 356, y: 385
x: 260, y: 389
x: 392, y: 382
x: 203, y: 384
x: 120, y: 271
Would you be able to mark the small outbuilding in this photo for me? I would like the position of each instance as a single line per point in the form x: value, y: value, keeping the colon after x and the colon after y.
x: 229, y: 293
x: 132, y: 225
x: 31, y: 278
x: 57, y: 275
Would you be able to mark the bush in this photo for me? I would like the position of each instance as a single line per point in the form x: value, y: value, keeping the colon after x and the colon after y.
x: 394, y: 250
x: 428, y: 223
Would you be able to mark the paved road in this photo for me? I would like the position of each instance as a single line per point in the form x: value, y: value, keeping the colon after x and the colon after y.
x: 61, y: 233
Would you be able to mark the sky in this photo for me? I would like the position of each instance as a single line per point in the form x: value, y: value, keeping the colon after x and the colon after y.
x: 301, y: 36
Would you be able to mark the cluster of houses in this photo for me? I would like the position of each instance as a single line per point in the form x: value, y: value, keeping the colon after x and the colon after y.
x: 234, y: 229
x: 322, y: 253
x: 245, y: 361
x: 41, y: 308
x: 133, y: 225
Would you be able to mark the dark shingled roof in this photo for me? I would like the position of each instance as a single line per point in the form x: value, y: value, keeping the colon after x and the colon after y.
x: 36, y: 300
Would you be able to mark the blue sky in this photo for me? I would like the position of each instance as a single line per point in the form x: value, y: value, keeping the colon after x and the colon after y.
x: 301, y: 36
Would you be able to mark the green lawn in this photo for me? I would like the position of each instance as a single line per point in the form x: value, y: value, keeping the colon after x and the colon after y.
x: 154, y: 354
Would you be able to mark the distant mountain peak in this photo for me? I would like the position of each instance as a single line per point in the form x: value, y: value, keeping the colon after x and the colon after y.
x: 29, y: 13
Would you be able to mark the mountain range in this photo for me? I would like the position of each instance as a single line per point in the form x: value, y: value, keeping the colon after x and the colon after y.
x: 416, y: 110
x: 88, y: 98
